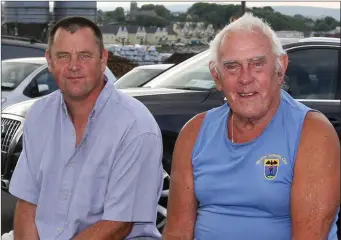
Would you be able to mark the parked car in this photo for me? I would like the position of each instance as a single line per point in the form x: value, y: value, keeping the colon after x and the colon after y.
x: 175, y: 96
x: 19, y: 47
x: 26, y: 78
x: 138, y: 76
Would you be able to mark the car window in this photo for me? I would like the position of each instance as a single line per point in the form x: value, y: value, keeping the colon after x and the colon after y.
x: 136, y: 77
x: 13, y: 73
x: 312, y: 73
x: 45, y: 83
x: 191, y: 74
x: 11, y: 51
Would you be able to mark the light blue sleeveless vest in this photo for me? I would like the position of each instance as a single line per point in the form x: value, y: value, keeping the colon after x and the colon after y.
x: 243, y: 190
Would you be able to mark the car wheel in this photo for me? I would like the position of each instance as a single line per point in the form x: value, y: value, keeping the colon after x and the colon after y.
x: 162, y: 206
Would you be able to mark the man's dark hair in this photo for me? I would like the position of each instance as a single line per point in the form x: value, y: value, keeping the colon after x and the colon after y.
x: 72, y: 24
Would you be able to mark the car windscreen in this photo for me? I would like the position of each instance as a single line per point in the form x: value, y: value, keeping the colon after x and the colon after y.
x: 136, y: 77
x: 13, y: 73
x: 193, y: 74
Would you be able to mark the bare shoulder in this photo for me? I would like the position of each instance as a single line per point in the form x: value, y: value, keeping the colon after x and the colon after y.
x: 318, y: 140
x: 318, y: 129
x: 194, y: 123
x: 186, y: 140
x: 191, y: 129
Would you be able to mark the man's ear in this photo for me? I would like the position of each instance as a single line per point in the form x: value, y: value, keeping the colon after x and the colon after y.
x: 104, y: 59
x: 216, y: 75
x: 283, y: 59
x: 48, y: 59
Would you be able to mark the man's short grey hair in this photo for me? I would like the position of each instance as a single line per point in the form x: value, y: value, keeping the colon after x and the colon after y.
x: 249, y: 23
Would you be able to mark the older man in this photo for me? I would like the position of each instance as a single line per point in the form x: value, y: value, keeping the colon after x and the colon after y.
x: 262, y: 166
x: 91, y: 161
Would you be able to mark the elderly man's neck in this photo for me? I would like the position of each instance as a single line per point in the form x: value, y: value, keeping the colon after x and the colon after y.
x: 259, y: 122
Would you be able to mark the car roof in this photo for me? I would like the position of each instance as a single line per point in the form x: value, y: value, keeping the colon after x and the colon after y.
x: 42, y: 61
x: 311, y: 43
x: 37, y: 60
x: 320, y: 39
x: 155, y: 66
x: 24, y: 43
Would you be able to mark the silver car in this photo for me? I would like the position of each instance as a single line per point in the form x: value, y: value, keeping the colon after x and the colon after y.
x: 27, y: 78
x: 140, y: 75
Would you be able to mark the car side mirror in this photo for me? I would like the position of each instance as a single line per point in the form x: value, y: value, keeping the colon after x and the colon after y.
x: 43, y: 89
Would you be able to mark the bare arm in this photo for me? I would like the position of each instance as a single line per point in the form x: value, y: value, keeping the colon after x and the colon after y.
x: 316, y: 185
x: 182, y: 203
x: 24, y: 223
x: 106, y: 230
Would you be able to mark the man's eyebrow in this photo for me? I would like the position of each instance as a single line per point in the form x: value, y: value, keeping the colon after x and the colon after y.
x: 257, y: 58
x: 253, y: 59
x: 229, y: 61
x: 87, y: 52
x: 61, y: 52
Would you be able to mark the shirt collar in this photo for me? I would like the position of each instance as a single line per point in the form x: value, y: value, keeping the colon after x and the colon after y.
x: 100, y: 102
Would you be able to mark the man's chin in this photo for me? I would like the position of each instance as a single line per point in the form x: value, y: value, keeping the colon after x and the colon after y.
x: 249, y: 112
x: 76, y: 96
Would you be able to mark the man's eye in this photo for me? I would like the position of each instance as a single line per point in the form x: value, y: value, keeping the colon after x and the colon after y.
x: 64, y: 56
x: 84, y: 56
x: 258, y: 64
x: 231, y: 67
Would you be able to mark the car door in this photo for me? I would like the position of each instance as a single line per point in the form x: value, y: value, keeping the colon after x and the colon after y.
x: 41, y: 85
x: 313, y: 78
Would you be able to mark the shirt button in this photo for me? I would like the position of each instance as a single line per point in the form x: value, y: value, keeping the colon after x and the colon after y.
x: 60, y: 229
x: 70, y: 164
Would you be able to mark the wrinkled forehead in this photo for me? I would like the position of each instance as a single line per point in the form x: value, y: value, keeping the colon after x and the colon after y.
x: 243, y: 45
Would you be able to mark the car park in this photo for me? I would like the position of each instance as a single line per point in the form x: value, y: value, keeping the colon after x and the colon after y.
x: 175, y: 96
x: 138, y: 76
x: 27, y: 78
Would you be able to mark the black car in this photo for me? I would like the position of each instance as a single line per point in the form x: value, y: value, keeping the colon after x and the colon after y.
x: 19, y: 47
x: 175, y: 96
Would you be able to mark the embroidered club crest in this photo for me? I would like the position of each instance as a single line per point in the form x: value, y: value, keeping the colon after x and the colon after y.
x: 271, y: 168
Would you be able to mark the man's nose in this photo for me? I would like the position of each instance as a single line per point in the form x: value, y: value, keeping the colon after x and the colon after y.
x: 245, y: 76
x: 73, y: 64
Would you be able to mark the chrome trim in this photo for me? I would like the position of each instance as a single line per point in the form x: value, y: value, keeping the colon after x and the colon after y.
x: 309, y: 46
x: 4, y: 184
x: 319, y: 100
x: 15, y: 138
x: 313, y: 100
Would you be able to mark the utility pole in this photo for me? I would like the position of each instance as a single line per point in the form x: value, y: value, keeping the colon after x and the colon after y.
x: 243, y: 7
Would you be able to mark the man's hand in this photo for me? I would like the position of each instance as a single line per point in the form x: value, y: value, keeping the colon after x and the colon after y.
x: 24, y: 221
x: 106, y: 230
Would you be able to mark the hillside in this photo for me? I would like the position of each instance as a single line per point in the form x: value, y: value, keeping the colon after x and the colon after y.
x: 312, y: 12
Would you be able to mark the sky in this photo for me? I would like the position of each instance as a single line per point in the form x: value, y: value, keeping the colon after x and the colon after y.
x: 112, y: 5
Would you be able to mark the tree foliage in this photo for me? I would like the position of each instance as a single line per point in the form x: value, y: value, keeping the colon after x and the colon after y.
x: 148, y: 21
x: 219, y: 15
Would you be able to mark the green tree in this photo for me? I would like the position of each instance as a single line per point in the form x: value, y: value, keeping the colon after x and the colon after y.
x: 160, y: 10
x: 148, y: 21
x: 119, y: 14
x: 116, y: 15
x: 321, y: 27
